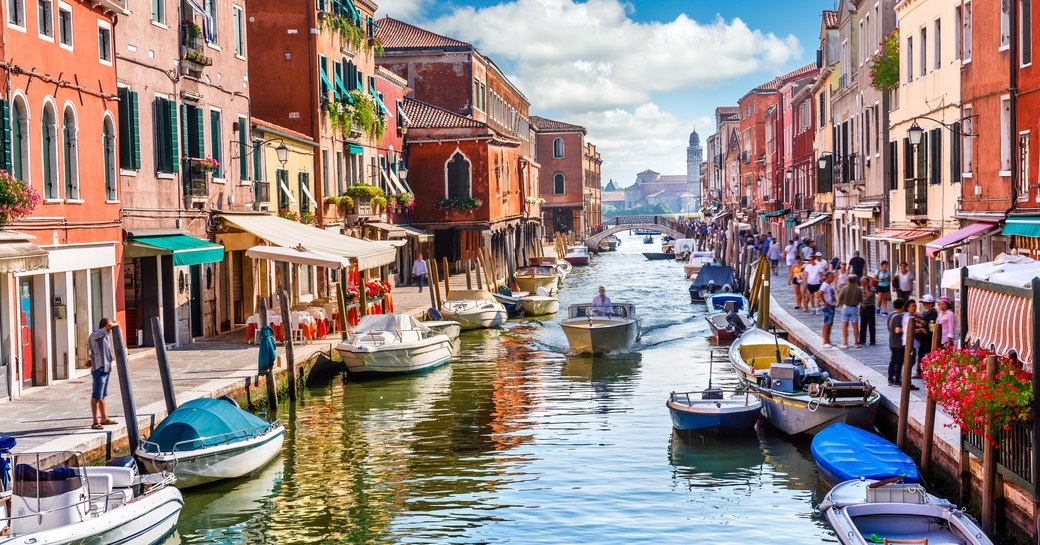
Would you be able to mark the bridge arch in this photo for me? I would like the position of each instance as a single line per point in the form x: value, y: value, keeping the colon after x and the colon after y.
x: 616, y: 225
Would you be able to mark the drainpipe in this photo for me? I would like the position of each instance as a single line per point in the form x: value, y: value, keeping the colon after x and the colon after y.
x: 1013, y: 92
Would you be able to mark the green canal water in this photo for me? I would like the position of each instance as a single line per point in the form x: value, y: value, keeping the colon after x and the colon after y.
x: 516, y: 443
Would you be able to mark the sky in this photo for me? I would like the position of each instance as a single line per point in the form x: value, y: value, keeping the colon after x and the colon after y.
x: 640, y: 75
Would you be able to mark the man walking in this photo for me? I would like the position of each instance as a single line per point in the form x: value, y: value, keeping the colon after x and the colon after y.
x: 849, y: 299
x: 99, y: 346
x: 419, y: 271
x: 813, y: 279
x: 867, y: 312
x: 828, y: 301
x: 857, y: 264
x: 929, y: 315
x: 895, y: 343
x: 773, y: 254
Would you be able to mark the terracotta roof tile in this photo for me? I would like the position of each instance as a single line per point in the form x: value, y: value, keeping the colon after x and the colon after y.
x: 426, y: 116
x: 396, y: 34
x: 830, y: 18
x: 550, y: 125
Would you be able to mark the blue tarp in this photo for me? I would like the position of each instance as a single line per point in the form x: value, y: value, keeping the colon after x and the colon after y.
x: 844, y: 452
x: 721, y: 274
x: 268, y: 353
x: 205, y: 422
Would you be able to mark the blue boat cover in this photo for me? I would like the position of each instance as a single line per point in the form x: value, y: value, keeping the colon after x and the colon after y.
x: 205, y: 422
x: 719, y: 300
x: 847, y: 453
x: 721, y: 274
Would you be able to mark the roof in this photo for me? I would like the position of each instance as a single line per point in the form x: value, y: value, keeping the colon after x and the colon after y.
x: 830, y: 18
x: 727, y: 109
x: 549, y: 125
x: 673, y: 178
x: 610, y: 196
x: 428, y: 116
x: 281, y: 131
x: 797, y: 73
x: 396, y: 34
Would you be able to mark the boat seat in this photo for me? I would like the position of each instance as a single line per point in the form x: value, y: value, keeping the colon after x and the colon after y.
x: 99, y: 484
x: 122, y: 477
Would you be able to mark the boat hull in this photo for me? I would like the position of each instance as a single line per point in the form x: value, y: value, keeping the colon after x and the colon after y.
x: 705, y: 416
x: 600, y: 335
x: 577, y: 261
x: 478, y: 319
x: 449, y: 328
x: 231, y: 461
x: 396, y: 358
x: 539, y: 306
x: 717, y: 322
x: 608, y: 245
x: 793, y: 415
x: 531, y: 284
x: 656, y: 256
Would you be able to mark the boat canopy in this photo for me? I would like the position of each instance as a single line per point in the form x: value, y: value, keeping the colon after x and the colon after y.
x: 719, y: 300
x: 389, y: 322
x: 469, y: 295
x: 721, y: 274
x: 202, y: 423
x: 851, y: 453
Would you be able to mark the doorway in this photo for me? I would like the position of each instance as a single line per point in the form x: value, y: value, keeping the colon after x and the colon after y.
x: 196, y: 300
x: 26, y: 330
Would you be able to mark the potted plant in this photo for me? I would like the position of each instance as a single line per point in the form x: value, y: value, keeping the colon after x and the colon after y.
x: 17, y: 198
x: 209, y: 164
x: 287, y: 214
x: 458, y: 205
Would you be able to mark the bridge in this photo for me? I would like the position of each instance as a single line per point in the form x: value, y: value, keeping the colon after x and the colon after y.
x: 665, y: 225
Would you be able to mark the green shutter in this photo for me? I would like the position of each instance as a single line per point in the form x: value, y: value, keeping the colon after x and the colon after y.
x: 5, y: 110
x: 201, y: 134
x: 125, y: 153
x: 174, y: 152
x: 258, y: 171
x: 214, y: 135
x: 243, y: 148
x: 135, y: 136
x: 359, y: 82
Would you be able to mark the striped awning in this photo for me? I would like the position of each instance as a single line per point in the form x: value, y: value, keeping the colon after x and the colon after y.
x: 1004, y: 321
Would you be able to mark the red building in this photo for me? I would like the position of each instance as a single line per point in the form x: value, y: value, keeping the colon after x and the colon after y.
x: 561, y: 180
x: 1026, y: 106
x: 60, y: 109
x: 802, y: 181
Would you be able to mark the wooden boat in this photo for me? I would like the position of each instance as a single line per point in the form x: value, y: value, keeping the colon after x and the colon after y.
x: 717, y: 301
x: 529, y: 279
x: 863, y: 512
x: 55, y: 500
x: 207, y: 440
x: 845, y: 453
x: 474, y: 309
x: 713, y: 278
x: 797, y: 397
x: 577, y: 256
x: 609, y: 243
x: 710, y: 411
x: 722, y: 329
x: 697, y: 260
x: 392, y: 344
x: 648, y: 239
x: 562, y: 267
x: 539, y: 305
x: 445, y: 327
x: 596, y: 331
x: 656, y: 256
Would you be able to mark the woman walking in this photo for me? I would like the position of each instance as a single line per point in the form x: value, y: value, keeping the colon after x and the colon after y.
x: 884, y: 288
x: 794, y: 275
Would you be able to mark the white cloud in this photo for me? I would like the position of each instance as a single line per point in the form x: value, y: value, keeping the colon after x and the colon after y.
x: 402, y: 9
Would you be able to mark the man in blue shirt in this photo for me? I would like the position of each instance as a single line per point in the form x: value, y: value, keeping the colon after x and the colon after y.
x: 99, y: 346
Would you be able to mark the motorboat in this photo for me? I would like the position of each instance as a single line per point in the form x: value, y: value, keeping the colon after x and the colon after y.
x: 577, y: 256
x: 656, y: 256
x: 683, y: 248
x: 797, y: 396
x: 609, y: 243
x: 600, y: 330
x: 847, y: 453
x: 445, y: 327
x: 648, y: 239
x: 713, y: 278
x: 867, y: 511
x: 531, y: 278
x: 724, y: 330
x: 697, y: 259
x: 711, y: 411
x: 642, y: 232
x: 717, y: 302
x: 474, y: 309
x: 389, y: 344
x: 510, y: 300
x: 207, y: 440
x: 540, y: 304
x: 54, y: 499
x: 562, y: 267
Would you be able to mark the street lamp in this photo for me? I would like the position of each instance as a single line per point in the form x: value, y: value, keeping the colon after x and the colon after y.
x: 822, y: 162
x: 282, y: 151
x: 915, y: 133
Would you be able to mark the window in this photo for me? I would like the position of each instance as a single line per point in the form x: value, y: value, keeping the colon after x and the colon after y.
x: 862, y: 34
x: 1005, y: 138
x: 909, y: 59
x: 908, y: 159
x: 215, y: 137
x: 70, y: 153
x: 325, y: 171
x: 20, y: 139
x: 955, y: 153
x: 893, y: 165
x: 65, y: 25
x: 558, y: 147
x: 304, y: 181
x: 922, y: 158
x: 108, y: 142
x: 285, y: 199
x: 866, y: 131
x: 937, y: 48
x: 966, y: 38
x: 457, y: 180
x: 924, y: 52
x: 958, y: 25
x: 211, y: 8
x: 339, y: 172
x: 1005, y: 24
x: 966, y: 143
x: 166, y: 139
x: 1025, y: 32
x: 1023, y: 165
x: 243, y: 149
x: 559, y: 184
x: 823, y: 109
x: 193, y: 131
x: 240, y: 30
x: 159, y: 11
x: 104, y: 43
x: 16, y: 13
x: 129, y: 130
x: 935, y: 155
x: 323, y: 83
x: 45, y: 13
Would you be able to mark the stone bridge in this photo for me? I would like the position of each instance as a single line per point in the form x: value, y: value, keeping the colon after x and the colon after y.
x: 627, y: 223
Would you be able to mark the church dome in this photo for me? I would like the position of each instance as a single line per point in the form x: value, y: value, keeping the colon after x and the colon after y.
x: 695, y: 139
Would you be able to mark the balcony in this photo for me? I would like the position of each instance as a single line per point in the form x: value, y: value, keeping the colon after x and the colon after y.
x: 261, y: 195
x: 193, y: 53
x: 197, y: 186
x: 916, y: 198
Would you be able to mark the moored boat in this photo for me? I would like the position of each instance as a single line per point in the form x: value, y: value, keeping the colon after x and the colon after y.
x: 798, y: 397
x: 529, y: 279
x: 717, y: 302
x: 390, y: 344
x: 609, y: 243
x: 474, y: 309
x: 646, y: 232
x: 450, y: 328
x: 510, y: 300
x: 207, y: 440
x: 598, y: 331
x: 539, y: 305
x: 656, y: 256
x: 562, y: 267
x: 577, y: 256
x: 712, y: 278
x: 711, y: 411
x: 723, y: 330
x: 697, y: 259
x: 847, y: 453
x: 863, y: 512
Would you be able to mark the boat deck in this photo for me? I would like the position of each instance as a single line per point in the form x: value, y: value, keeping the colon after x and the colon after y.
x: 908, y: 529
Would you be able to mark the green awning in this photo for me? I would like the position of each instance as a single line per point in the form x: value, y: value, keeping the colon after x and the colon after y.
x: 186, y: 250
x: 774, y: 213
x: 1023, y: 226
x: 790, y: 221
x: 355, y: 149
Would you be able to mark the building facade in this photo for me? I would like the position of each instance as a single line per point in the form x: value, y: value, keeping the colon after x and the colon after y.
x: 592, y: 166
x: 560, y: 149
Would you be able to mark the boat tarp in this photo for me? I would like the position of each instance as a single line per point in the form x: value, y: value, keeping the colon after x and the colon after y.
x: 719, y: 300
x: 721, y: 274
x: 389, y: 322
x: 205, y: 422
x: 848, y: 453
x: 687, y: 245
x: 468, y: 295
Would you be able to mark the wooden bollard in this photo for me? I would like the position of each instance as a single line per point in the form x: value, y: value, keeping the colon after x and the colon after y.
x: 126, y: 393
x: 929, y: 415
x: 447, y: 277
x: 989, y: 461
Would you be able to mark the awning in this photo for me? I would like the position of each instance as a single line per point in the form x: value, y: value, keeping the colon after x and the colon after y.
x: 1005, y: 321
x: 416, y: 233
x: 774, y: 213
x: 866, y: 210
x: 957, y: 236
x: 721, y: 215
x: 899, y: 236
x: 812, y: 221
x: 307, y: 192
x: 1023, y: 226
x: 18, y: 254
x: 186, y: 250
x: 398, y: 232
x: 367, y: 254
x: 355, y: 149
x: 790, y: 221
x: 300, y: 257
x: 285, y: 188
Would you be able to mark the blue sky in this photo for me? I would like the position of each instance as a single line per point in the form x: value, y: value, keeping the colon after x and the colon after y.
x: 638, y: 74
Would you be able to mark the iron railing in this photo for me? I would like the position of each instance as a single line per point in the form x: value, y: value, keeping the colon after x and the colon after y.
x: 1015, y: 455
x: 916, y: 196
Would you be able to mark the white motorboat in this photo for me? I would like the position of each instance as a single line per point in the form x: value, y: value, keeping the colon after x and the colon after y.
x: 683, y: 248
x: 445, y: 327
x: 609, y: 243
x: 697, y: 260
x: 207, y: 440
x: 55, y: 500
x: 596, y: 330
x: 540, y: 304
x: 390, y: 344
x: 562, y: 267
x: 863, y: 512
x: 577, y: 256
x: 529, y: 279
x: 474, y: 309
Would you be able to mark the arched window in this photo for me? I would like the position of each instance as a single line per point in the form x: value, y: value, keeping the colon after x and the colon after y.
x: 458, y: 177
x: 559, y: 184
x: 70, y: 151
x: 20, y: 139
x: 108, y: 143
x: 558, y: 147
x: 49, y: 130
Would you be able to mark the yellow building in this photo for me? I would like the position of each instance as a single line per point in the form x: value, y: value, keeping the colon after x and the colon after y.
x: 925, y: 178
x: 284, y: 161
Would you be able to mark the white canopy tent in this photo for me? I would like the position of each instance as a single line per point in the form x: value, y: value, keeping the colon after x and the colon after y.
x: 321, y: 244
x: 299, y: 257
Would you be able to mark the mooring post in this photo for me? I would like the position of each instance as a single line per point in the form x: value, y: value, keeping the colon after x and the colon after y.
x: 133, y: 431
x: 904, y: 390
x: 929, y: 414
x: 290, y: 360
x: 1035, y: 465
x: 989, y: 459
x: 164, y: 366
x: 272, y: 392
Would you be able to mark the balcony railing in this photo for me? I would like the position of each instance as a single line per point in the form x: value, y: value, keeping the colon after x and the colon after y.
x: 916, y: 197
x: 193, y: 47
x: 261, y: 195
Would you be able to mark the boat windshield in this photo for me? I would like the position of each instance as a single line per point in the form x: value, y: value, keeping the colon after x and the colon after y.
x: 622, y: 310
x: 45, y: 474
x: 533, y: 271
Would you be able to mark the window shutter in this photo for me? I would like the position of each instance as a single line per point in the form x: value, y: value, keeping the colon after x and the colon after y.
x: 258, y: 172
x: 186, y: 143
x: 955, y: 153
x: 135, y: 133
x: 125, y: 151
x: 243, y: 162
x: 908, y: 159
x: 200, y: 134
x: 174, y: 152
x: 359, y: 82
x: 936, y: 149
x: 5, y: 110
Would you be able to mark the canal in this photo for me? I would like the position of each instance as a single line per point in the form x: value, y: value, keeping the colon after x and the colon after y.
x: 516, y: 443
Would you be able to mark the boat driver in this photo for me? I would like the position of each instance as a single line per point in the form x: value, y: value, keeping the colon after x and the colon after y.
x: 601, y: 305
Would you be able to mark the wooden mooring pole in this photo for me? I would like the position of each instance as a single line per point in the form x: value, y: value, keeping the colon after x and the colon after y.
x: 929, y: 415
x: 290, y: 359
x: 435, y: 283
x: 126, y: 393
x: 164, y: 366
x: 989, y: 461
x: 904, y: 390
x: 272, y: 392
